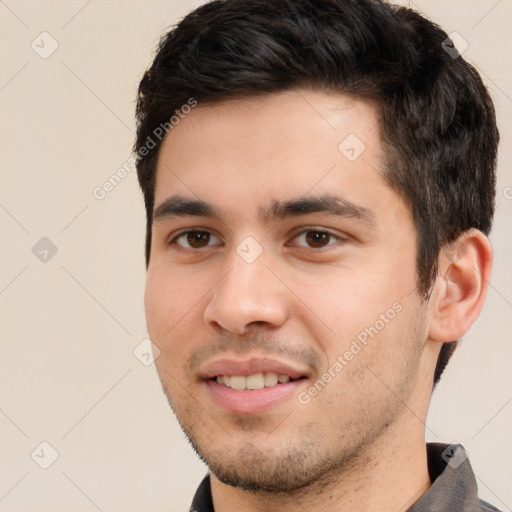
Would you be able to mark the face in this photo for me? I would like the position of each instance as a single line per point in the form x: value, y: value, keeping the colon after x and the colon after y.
x: 281, y: 287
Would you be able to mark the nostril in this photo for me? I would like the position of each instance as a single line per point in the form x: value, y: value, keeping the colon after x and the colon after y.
x: 258, y: 323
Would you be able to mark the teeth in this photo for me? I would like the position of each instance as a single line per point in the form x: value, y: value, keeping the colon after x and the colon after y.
x: 270, y: 379
x: 237, y: 382
x: 255, y: 381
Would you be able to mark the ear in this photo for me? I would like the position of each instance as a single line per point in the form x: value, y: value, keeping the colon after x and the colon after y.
x: 461, y: 285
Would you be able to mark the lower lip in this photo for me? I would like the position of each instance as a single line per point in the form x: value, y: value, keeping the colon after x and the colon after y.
x: 251, y: 401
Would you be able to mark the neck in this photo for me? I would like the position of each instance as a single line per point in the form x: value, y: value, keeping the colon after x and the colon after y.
x: 391, y: 474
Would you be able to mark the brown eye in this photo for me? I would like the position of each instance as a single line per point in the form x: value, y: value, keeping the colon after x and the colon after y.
x: 195, y: 240
x: 198, y: 239
x: 317, y: 239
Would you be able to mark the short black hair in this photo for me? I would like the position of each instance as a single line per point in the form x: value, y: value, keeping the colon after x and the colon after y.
x: 437, y: 120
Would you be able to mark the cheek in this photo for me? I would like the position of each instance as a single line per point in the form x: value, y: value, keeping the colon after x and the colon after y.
x: 347, y: 300
x: 156, y: 303
x: 164, y: 306
x: 169, y: 296
x: 174, y: 317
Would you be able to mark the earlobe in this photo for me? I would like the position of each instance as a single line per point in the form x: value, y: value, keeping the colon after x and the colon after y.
x: 461, y: 285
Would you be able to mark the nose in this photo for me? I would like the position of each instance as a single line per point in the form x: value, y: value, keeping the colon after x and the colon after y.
x: 248, y: 296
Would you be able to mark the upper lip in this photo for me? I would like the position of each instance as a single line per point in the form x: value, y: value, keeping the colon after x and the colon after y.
x: 229, y: 366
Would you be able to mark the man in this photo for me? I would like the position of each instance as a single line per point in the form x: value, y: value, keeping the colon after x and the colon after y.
x: 318, y: 178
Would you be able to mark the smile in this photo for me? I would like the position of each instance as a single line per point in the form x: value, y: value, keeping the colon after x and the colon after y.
x: 254, y: 381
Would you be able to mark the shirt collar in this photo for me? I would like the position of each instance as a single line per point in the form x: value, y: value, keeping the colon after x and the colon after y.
x: 453, y: 486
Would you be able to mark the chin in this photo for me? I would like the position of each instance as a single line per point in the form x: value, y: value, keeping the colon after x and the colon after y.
x: 284, y: 469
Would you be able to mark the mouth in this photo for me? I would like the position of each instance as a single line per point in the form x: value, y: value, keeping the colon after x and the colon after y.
x: 254, y: 381
x: 251, y: 386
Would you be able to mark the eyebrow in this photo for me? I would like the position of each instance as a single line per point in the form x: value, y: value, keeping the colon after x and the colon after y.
x: 179, y: 206
x: 329, y: 204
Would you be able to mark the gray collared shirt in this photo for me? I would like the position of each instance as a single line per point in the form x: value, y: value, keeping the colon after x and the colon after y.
x: 453, y: 489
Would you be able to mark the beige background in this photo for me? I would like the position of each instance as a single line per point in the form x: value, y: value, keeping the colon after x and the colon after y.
x: 70, y: 324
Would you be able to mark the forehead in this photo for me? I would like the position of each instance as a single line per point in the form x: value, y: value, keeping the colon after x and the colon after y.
x: 267, y: 148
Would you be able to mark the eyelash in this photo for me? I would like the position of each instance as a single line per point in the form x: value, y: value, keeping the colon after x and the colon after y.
x: 303, y: 231
x: 174, y: 239
x: 337, y: 238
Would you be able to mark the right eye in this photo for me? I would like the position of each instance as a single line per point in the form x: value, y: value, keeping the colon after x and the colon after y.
x: 195, y: 239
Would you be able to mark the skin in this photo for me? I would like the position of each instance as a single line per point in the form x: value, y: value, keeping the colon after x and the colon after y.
x: 359, y: 443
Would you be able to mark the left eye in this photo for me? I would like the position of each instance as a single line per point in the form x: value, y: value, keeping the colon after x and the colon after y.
x: 316, y: 239
x: 195, y: 239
